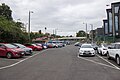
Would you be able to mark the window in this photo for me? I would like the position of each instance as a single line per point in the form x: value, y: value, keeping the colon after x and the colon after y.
x: 116, y: 9
x: 106, y: 28
x: 117, y: 46
x: 110, y: 22
x: 116, y: 23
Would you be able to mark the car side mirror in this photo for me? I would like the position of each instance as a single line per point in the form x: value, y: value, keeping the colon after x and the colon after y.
x: 3, y: 47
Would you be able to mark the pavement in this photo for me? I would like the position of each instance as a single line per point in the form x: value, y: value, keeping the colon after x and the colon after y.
x: 59, y: 64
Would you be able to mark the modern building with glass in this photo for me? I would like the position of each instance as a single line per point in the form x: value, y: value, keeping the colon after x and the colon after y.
x: 112, y: 24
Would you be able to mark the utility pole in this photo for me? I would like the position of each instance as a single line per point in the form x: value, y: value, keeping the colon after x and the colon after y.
x: 86, y: 30
x: 29, y: 25
x: 92, y: 32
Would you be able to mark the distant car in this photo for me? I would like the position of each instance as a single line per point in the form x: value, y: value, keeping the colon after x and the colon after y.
x: 114, y: 52
x: 95, y: 47
x: 86, y: 50
x: 10, y: 51
x: 103, y: 48
x: 28, y: 51
x: 34, y: 47
x: 77, y: 44
x: 43, y: 45
x: 51, y: 45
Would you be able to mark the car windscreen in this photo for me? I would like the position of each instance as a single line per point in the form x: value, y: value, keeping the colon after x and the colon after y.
x: 86, y: 46
x: 20, y: 45
x: 10, y: 46
x: 34, y: 44
x: 105, y: 45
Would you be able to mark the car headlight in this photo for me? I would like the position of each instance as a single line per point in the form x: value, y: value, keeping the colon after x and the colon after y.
x: 14, y: 50
x: 81, y: 51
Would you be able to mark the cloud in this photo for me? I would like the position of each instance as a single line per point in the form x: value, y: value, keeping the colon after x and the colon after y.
x: 65, y: 15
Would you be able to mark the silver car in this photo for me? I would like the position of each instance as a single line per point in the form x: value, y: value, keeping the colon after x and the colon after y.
x: 28, y: 51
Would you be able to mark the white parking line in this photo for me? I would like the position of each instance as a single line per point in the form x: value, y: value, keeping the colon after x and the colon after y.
x: 20, y: 61
x: 98, y: 63
x: 108, y: 62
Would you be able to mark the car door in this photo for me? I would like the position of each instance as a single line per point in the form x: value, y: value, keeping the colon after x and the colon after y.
x: 117, y: 49
x: 111, y: 50
x: 2, y: 50
x: 114, y: 51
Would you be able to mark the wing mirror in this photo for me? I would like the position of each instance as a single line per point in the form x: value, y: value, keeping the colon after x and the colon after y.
x: 3, y: 47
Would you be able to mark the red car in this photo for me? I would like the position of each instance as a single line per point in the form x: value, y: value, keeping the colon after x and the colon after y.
x: 34, y: 47
x: 10, y: 51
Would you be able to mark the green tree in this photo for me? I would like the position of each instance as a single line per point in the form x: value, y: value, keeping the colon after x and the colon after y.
x: 81, y: 34
x: 5, y: 11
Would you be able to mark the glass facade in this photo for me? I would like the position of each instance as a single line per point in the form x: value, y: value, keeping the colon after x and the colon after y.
x: 116, y: 23
x: 106, y: 28
x: 116, y: 9
x: 110, y: 22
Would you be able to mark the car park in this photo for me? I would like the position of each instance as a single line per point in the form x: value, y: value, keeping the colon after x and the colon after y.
x: 86, y: 50
x: 34, y: 47
x: 114, y: 52
x: 10, y: 51
x: 28, y: 51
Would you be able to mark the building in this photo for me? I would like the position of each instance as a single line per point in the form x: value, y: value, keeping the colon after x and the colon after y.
x: 105, y: 27
x: 115, y: 19
x: 99, y: 34
x: 109, y: 18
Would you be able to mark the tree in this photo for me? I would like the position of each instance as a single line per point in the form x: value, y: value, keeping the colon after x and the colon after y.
x: 9, y: 32
x: 5, y: 11
x: 81, y: 34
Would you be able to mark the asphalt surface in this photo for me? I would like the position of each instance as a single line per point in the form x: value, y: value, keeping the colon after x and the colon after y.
x: 59, y: 64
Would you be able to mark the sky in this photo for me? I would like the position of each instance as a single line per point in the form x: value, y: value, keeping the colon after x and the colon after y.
x: 66, y: 17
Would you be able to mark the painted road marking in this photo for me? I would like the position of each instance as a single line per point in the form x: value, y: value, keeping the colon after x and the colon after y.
x: 20, y: 61
x: 97, y: 62
x: 108, y: 62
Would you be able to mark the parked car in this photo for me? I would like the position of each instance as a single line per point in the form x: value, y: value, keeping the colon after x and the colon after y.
x: 95, y: 47
x: 77, y: 44
x: 28, y: 51
x: 10, y: 51
x: 43, y: 45
x: 86, y: 50
x: 51, y: 45
x: 114, y: 52
x: 34, y: 47
x: 102, y: 49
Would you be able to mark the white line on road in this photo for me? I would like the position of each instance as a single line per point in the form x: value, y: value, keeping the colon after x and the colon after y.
x: 20, y: 61
x: 98, y: 63
x: 108, y: 62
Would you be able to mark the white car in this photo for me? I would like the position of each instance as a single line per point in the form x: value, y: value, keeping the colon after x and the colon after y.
x: 114, y: 52
x: 86, y: 50
x: 102, y: 50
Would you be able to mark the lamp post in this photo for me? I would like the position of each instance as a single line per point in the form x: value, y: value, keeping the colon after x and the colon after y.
x: 29, y: 25
x: 92, y: 32
x: 86, y: 30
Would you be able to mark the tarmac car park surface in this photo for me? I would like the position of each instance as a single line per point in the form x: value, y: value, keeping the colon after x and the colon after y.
x: 59, y: 64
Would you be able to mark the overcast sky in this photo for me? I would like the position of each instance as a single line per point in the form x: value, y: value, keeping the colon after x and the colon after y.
x: 64, y: 16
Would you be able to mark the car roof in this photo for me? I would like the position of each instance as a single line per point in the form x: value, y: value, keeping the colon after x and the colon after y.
x: 86, y: 44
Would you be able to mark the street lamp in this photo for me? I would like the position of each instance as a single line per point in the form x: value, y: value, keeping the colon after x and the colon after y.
x: 29, y: 25
x: 86, y: 30
x: 92, y: 32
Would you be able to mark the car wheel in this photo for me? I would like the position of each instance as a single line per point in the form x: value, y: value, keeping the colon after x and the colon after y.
x: 118, y: 60
x: 9, y: 55
x: 108, y: 56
